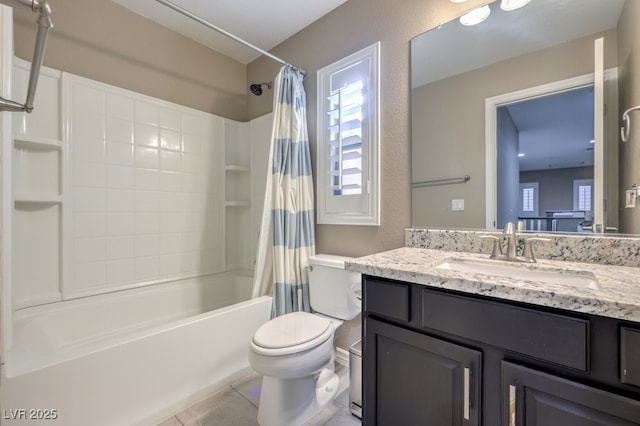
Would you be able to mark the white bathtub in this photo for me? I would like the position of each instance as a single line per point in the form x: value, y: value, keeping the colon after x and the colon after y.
x: 131, y: 357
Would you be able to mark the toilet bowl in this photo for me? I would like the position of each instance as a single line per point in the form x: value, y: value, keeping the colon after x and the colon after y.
x: 295, y: 352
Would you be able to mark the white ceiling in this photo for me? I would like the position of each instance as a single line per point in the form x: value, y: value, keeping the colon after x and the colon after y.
x: 555, y: 131
x: 264, y: 23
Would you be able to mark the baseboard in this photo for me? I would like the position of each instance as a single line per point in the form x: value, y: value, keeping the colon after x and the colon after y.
x: 342, y: 357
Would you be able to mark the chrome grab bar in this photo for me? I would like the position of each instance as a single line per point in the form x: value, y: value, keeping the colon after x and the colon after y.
x: 44, y: 25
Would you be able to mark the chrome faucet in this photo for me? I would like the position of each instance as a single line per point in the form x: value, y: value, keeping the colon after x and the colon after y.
x: 511, y: 252
x: 512, y: 241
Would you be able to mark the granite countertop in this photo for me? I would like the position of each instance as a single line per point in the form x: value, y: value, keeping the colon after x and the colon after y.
x: 618, y: 296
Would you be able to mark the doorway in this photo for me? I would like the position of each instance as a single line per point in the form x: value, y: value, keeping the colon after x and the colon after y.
x: 545, y: 145
x: 606, y: 162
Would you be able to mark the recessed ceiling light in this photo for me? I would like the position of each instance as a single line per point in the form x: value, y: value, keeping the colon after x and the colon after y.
x: 592, y: 141
x: 475, y: 16
x: 521, y: 154
x: 510, y: 5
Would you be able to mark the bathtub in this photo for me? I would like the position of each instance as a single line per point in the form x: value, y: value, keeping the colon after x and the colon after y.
x: 132, y: 357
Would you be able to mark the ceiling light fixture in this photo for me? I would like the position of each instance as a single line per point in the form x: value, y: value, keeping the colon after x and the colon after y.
x: 475, y: 16
x: 510, y: 5
x: 457, y: 1
x: 521, y: 154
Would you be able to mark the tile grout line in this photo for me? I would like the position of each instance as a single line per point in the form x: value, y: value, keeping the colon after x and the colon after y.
x: 240, y: 393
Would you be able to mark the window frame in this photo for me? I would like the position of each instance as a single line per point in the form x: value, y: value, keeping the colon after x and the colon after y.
x: 577, y: 183
x: 536, y: 194
x: 364, y: 208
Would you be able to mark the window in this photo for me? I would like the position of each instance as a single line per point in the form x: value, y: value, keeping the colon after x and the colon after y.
x: 347, y: 140
x: 583, y: 195
x: 528, y: 199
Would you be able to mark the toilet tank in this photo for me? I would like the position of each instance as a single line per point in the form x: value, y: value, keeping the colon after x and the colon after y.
x: 334, y: 291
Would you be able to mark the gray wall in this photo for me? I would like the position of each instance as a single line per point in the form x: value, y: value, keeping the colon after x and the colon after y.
x: 349, y: 28
x: 556, y: 186
x: 508, y: 173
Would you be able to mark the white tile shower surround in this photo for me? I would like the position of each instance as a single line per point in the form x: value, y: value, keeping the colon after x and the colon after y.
x: 115, y: 189
x: 238, y: 405
x: 145, y: 165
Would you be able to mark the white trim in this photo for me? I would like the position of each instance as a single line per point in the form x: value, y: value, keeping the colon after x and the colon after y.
x: 6, y: 139
x: 67, y: 214
x: 371, y: 181
x: 342, y: 357
x: 490, y: 110
x: 598, y: 134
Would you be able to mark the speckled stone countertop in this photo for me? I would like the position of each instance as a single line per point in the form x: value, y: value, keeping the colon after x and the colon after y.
x: 618, y: 295
x: 605, y: 249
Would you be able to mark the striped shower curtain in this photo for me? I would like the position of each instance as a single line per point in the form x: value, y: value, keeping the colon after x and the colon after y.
x: 287, y: 236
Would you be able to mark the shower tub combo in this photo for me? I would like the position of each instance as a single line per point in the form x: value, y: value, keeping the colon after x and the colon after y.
x: 133, y: 357
x: 119, y: 316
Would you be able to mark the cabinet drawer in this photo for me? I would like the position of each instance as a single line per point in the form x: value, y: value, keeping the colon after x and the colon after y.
x: 388, y: 299
x: 630, y: 356
x: 549, y: 337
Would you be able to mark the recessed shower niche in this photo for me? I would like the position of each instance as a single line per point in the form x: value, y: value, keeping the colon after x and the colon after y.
x: 37, y: 170
x: 237, y: 194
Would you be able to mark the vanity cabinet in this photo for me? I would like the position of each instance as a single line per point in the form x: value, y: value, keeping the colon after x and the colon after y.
x: 438, y: 357
x: 535, y: 398
x: 421, y: 380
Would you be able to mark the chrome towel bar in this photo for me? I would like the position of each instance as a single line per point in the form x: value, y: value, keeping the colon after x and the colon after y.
x: 435, y: 182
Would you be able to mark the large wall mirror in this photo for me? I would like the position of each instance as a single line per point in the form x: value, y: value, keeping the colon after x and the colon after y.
x: 511, y: 121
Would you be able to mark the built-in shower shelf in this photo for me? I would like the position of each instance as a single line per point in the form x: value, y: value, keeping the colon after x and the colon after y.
x: 37, y: 143
x: 236, y: 168
x: 38, y: 198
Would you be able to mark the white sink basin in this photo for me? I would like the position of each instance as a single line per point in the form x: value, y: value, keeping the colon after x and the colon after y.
x: 527, y: 272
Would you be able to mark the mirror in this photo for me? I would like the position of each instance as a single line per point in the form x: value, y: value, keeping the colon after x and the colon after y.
x: 459, y: 73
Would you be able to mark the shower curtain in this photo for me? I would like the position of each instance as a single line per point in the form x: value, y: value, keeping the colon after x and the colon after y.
x: 287, y: 238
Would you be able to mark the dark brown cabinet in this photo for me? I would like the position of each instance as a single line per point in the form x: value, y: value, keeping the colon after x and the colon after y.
x: 533, y: 398
x: 420, y: 380
x: 438, y: 357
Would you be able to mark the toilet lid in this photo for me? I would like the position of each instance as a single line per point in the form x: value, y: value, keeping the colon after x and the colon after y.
x: 292, y: 329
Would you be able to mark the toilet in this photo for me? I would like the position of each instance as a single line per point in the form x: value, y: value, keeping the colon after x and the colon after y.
x: 295, y: 352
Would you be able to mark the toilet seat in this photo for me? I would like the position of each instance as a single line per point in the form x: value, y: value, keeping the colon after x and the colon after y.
x: 291, y: 333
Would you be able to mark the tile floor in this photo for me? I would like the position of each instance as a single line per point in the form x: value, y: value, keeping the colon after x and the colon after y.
x: 238, y: 405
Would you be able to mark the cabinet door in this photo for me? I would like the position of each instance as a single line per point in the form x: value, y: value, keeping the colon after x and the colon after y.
x: 533, y: 398
x: 413, y: 379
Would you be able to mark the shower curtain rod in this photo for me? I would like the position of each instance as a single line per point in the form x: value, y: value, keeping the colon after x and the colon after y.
x: 208, y: 24
x: 44, y: 23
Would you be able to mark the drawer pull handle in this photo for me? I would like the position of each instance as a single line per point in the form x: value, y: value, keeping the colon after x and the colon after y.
x: 466, y: 401
x: 512, y: 405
